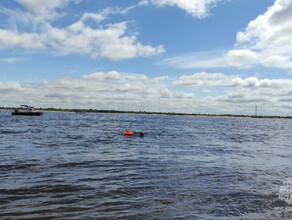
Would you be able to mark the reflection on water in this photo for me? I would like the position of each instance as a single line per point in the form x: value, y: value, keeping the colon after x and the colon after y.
x: 65, y: 165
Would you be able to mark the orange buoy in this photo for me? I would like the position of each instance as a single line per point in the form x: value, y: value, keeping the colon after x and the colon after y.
x: 128, y: 133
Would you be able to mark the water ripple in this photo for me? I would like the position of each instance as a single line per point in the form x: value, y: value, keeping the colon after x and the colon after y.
x: 73, y: 166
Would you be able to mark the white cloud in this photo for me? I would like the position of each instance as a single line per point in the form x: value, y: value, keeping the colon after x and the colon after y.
x: 269, y: 35
x: 108, y: 41
x: 44, y: 6
x: 13, y: 59
x: 106, y: 12
x: 10, y: 39
x: 196, y: 8
x: 44, y: 9
x: 101, y: 76
x: 38, y: 6
x: 265, y: 42
x: 241, y: 59
x: 97, y: 17
x: 204, y: 79
x: 277, y: 62
x: 271, y: 29
x: 205, y: 59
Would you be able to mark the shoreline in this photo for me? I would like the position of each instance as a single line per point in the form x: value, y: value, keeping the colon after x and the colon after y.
x: 151, y: 113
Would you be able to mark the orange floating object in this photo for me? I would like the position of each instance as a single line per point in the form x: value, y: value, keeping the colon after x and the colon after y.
x: 128, y: 133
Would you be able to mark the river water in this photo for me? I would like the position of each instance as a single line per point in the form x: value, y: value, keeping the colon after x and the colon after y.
x: 81, y: 166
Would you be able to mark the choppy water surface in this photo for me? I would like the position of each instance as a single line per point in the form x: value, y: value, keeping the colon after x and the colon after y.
x: 81, y: 166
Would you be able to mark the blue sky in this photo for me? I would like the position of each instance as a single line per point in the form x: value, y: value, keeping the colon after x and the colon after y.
x: 196, y: 56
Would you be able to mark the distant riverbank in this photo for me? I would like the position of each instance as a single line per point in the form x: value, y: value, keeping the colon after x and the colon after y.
x: 151, y: 113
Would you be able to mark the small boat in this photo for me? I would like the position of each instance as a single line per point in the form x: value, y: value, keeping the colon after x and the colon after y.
x: 29, y: 111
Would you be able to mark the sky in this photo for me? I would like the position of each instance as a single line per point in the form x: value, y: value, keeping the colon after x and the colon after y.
x: 185, y: 56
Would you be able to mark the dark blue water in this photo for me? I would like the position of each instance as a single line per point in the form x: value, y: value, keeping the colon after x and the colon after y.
x: 81, y: 166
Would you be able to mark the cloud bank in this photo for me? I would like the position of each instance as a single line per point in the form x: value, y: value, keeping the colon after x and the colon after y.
x: 124, y: 91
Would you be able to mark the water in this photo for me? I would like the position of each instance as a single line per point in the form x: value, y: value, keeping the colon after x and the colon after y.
x: 81, y: 166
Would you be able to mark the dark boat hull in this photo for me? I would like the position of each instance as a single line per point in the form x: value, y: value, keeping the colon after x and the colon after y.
x: 27, y: 113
